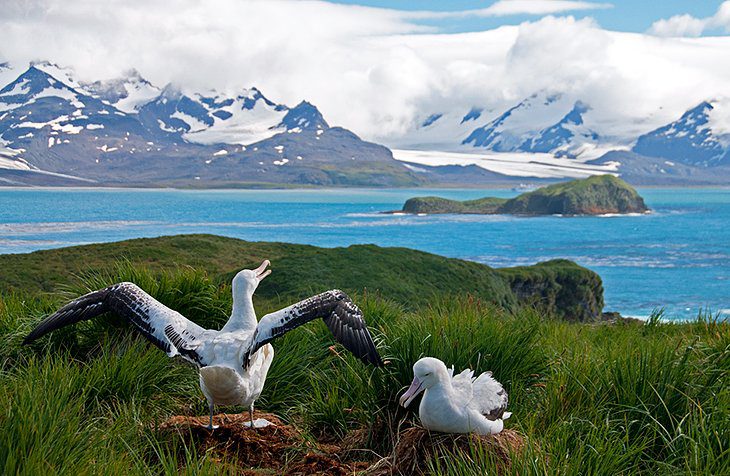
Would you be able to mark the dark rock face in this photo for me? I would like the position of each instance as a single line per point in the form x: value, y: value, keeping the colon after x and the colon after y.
x: 560, y: 287
x: 596, y: 195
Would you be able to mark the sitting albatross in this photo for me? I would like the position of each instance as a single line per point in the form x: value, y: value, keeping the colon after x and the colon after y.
x: 233, y: 361
x: 457, y: 404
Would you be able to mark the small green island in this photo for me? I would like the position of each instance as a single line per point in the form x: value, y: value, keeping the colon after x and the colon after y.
x: 597, y: 195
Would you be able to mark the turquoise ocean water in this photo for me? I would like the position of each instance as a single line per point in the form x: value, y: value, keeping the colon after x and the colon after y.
x: 677, y: 257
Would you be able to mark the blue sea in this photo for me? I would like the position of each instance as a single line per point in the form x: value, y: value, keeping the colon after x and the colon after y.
x: 677, y: 257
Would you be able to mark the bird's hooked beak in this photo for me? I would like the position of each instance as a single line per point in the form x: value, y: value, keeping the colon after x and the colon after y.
x: 413, y: 391
x: 261, y: 272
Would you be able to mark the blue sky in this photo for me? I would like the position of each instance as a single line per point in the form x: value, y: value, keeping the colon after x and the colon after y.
x: 624, y: 15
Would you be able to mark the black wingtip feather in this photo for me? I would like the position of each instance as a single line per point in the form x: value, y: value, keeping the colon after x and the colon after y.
x: 357, y: 338
x: 343, y: 318
x: 86, y: 307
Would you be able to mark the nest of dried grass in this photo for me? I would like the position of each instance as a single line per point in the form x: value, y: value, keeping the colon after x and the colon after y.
x: 417, y: 446
x: 278, y: 448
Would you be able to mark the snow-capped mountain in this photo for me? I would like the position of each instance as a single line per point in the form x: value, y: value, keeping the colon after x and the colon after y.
x: 556, y: 135
x: 697, y: 138
x: 127, y: 93
x: 128, y: 131
x: 214, y: 118
x: 38, y: 106
x: 56, y: 129
x: 542, y: 123
x: 568, y: 137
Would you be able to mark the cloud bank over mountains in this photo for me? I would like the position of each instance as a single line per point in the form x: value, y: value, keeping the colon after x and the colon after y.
x: 688, y: 25
x: 382, y: 72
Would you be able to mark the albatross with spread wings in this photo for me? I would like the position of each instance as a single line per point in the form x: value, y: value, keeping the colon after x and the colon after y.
x: 233, y: 362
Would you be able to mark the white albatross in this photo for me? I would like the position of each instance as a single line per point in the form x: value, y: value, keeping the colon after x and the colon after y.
x: 457, y: 404
x: 233, y: 362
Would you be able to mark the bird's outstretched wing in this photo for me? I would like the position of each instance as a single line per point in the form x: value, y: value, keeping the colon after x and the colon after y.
x: 341, y: 315
x: 167, y: 329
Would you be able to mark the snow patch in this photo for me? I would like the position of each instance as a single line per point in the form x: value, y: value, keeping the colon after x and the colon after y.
x: 66, y: 128
x: 20, y: 88
x: 32, y: 125
x: 515, y: 164
x: 9, y: 159
x: 238, y: 122
x: 194, y: 124
x: 164, y: 127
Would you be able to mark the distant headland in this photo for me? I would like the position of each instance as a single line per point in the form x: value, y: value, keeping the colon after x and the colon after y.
x: 597, y: 195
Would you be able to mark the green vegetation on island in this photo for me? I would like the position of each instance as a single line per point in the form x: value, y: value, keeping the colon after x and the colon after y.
x: 597, y: 195
x: 624, y: 398
x: 481, y: 206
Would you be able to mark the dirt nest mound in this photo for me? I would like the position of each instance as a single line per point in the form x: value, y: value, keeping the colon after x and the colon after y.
x: 416, y: 446
x: 277, y: 448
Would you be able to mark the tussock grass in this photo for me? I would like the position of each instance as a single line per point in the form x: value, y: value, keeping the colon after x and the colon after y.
x: 589, y: 399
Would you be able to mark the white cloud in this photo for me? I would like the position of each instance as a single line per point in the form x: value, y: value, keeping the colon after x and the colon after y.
x: 688, y: 25
x: 375, y: 71
x: 679, y: 25
x: 538, y: 7
x: 517, y: 7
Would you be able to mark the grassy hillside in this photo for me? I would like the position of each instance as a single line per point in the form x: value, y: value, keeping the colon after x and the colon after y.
x: 403, y: 275
x: 589, y: 399
x: 594, y: 195
x: 486, y: 205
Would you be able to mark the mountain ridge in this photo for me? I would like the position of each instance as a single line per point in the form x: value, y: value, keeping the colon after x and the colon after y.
x: 128, y: 132
x: 170, y: 136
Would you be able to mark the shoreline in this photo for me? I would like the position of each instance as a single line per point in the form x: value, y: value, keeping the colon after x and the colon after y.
x: 299, y: 187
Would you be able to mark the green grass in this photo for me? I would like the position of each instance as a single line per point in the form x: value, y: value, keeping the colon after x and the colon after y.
x: 593, y: 195
x: 486, y: 205
x: 590, y: 399
x: 407, y: 276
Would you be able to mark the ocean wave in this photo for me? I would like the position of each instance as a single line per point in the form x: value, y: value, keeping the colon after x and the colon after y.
x: 621, y: 215
x: 32, y: 228
x: 372, y: 214
x: 613, y: 261
x: 29, y: 243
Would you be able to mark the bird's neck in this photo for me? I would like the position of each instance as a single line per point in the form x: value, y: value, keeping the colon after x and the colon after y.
x: 444, y: 387
x: 441, y: 389
x: 439, y: 397
x: 243, y: 315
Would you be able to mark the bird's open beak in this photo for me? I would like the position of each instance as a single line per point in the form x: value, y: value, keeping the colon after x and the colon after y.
x: 261, y: 272
x: 413, y: 391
